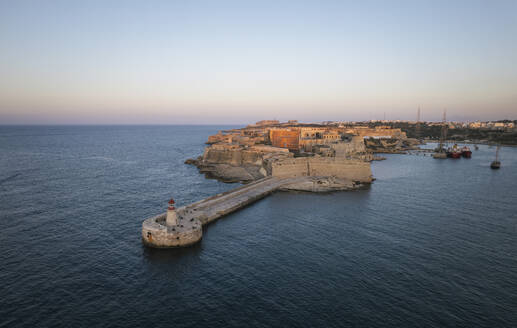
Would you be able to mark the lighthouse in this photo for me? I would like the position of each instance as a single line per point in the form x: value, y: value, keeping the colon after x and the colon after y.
x: 172, y: 216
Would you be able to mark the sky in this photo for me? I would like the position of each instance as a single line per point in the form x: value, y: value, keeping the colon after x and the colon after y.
x: 215, y: 62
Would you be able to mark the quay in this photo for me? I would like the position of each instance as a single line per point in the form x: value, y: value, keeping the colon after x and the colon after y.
x: 183, y: 226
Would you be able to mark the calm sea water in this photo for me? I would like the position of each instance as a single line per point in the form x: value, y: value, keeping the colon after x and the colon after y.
x: 432, y: 243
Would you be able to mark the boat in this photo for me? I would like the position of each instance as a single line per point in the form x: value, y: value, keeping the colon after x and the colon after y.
x: 466, y: 152
x: 440, y: 152
x: 454, y: 152
x: 496, y: 164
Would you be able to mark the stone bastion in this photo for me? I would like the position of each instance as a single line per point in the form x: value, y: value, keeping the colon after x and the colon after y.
x: 156, y: 233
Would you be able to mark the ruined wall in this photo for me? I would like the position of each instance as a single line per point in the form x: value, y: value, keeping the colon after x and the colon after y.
x: 312, y: 133
x: 341, y: 148
x: 267, y: 122
x: 378, y: 132
x: 323, y: 166
x: 236, y: 156
x: 344, y: 149
x: 219, y: 137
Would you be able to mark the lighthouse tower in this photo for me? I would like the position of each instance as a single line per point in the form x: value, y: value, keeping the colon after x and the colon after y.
x: 172, y: 216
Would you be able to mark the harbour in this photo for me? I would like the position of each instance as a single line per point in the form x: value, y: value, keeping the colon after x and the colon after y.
x: 443, y: 230
x: 258, y: 164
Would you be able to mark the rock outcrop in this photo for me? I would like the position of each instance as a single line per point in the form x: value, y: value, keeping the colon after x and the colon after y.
x: 323, y: 184
x: 235, y: 163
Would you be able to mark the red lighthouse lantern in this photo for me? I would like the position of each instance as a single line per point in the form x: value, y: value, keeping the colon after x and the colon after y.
x: 171, y: 205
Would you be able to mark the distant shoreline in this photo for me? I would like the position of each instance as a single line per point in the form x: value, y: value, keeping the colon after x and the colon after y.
x: 471, y: 142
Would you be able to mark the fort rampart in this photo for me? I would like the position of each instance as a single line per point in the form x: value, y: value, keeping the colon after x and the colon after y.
x: 323, y: 166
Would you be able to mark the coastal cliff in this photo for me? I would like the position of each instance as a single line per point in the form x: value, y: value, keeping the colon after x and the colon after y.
x: 236, y: 163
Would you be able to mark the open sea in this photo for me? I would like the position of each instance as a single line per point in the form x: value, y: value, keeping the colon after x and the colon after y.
x: 432, y: 243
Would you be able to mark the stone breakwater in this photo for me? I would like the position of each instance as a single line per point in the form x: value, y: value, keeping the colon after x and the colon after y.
x: 191, y: 218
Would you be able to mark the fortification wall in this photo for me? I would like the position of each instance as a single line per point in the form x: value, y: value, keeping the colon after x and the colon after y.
x: 230, y: 156
x: 269, y: 149
x: 345, y: 169
x: 380, y: 132
x: 251, y: 157
x: 290, y: 167
x: 236, y: 156
x: 343, y: 149
x: 156, y: 234
x: 323, y: 166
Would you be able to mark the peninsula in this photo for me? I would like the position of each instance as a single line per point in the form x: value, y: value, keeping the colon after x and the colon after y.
x: 271, y: 148
x: 270, y: 156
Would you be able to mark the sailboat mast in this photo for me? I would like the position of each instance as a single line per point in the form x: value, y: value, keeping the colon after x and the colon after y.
x: 443, y: 133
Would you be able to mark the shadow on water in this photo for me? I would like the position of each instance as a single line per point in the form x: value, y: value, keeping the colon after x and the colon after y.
x: 171, y: 255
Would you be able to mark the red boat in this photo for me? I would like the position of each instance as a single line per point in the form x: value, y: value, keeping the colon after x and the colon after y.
x: 466, y: 152
x: 454, y: 152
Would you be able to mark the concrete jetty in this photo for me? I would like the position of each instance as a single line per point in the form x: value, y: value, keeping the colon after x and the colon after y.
x: 159, y: 232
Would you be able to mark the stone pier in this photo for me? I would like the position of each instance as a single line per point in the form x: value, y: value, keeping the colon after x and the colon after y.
x: 184, y: 225
x: 188, y: 230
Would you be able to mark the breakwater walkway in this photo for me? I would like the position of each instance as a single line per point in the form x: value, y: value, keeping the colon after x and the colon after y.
x: 188, y: 229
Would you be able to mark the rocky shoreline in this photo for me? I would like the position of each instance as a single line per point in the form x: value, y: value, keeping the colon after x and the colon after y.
x: 324, y: 184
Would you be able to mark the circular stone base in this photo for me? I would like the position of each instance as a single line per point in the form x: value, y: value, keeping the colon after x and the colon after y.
x: 156, y: 234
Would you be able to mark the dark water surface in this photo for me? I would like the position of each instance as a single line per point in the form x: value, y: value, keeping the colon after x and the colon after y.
x: 432, y: 243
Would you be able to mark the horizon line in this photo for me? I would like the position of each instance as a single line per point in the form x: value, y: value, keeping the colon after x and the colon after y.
x: 219, y: 124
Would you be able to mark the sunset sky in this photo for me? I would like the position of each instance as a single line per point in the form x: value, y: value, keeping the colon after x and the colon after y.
x: 176, y: 62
